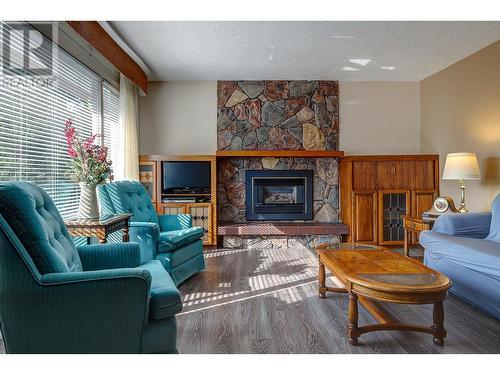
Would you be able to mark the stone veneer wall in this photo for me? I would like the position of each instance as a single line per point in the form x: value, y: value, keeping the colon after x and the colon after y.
x: 277, y: 115
x: 231, y: 185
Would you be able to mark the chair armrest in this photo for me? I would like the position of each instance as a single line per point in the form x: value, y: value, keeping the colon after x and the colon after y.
x: 472, y: 224
x: 86, y: 312
x: 147, y: 236
x: 141, y: 274
x: 108, y: 256
x: 175, y: 222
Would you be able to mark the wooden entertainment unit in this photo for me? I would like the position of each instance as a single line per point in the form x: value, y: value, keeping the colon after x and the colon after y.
x: 376, y: 191
x: 369, y: 185
x: 204, y: 213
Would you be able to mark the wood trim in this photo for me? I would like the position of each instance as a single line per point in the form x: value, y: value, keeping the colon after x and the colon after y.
x: 98, y: 38
x: 143, y: 158
x: 390, y: 157
x: 345, y: 188
x: 213, y: 191
x: 436, y: 174
x: 280, y: 153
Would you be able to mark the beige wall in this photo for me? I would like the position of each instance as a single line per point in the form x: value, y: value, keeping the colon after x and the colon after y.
x: 375, y: 117
x: 379, y: 117
x: 460, y: 111
x: 178, y: 118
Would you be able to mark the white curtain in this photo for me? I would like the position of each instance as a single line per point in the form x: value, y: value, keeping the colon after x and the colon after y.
x: 127, y: 165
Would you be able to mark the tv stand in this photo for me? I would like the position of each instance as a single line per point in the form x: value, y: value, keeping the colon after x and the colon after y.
x: 188, y: 191
x: 200, y: 203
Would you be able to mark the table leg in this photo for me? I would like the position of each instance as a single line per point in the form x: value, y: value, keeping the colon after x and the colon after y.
x: 407, y: 242
x: 126, y: 236
x: 352, y: 325
x: 321, y: 280
x: 438, y: 325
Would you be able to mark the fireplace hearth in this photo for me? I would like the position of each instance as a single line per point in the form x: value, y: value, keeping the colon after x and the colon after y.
x: 279, y: 195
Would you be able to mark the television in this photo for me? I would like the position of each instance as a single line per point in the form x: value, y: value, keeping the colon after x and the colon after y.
x: 186, y: 177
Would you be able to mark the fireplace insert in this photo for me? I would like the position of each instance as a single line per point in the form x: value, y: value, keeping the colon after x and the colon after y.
x: 279, y: 195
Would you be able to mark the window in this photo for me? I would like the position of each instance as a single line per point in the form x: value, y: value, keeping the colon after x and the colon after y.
x: 32, y: 117
x: 111, y: 118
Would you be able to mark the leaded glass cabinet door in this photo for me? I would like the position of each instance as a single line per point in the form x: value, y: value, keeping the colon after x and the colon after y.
x: 392, y: 206
x: 174, y: 208
x: 147, y: 177
x: 202, y: 217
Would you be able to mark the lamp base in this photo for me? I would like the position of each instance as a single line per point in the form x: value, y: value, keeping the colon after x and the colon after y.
x: 462, y: 208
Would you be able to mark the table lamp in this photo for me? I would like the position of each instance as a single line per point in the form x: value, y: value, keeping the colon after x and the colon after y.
x: 461, y: 166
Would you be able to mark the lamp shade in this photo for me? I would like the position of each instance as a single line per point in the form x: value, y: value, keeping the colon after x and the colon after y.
x: 461, y: 166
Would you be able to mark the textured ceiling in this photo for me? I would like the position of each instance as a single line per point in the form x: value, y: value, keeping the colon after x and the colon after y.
x: 349, y: 51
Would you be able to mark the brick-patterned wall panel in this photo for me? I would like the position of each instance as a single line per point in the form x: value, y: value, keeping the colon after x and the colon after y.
x: 277, y: 115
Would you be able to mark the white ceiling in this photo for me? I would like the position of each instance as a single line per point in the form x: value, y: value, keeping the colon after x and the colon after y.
x: 302, y: 50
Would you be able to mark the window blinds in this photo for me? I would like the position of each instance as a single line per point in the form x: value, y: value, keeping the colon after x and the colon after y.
x: 32, y: 117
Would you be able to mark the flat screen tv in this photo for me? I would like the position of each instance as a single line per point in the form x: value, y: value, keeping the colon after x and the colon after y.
x: 186, y: 176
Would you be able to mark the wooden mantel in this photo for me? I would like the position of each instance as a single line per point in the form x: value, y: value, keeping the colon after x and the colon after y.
x: 278, y: 154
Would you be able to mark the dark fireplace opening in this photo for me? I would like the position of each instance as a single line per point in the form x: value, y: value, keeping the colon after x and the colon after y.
x: 279, y: 195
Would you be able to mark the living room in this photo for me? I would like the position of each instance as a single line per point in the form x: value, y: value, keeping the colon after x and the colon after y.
x: 265, y: 186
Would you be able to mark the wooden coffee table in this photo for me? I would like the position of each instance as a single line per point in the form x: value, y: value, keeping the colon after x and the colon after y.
x: 371, y: 273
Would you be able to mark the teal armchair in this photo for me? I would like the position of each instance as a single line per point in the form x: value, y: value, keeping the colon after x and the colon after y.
x: 170, y: 239
x: 57, y: 298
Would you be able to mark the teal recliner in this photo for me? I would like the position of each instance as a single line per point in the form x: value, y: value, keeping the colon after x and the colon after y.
x: 57, y: 298
x: 169, y: 238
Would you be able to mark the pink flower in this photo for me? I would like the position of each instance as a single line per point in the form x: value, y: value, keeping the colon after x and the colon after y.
x: 89, y: 141
x: 72, y: 152
x: 90, y: 162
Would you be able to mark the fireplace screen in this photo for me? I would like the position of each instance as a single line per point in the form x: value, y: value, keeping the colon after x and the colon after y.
x: 278, y: 195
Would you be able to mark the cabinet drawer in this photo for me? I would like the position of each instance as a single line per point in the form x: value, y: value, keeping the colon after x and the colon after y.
x: 413, y: 225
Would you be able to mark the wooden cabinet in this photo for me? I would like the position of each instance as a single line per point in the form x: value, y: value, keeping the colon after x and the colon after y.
x: 377, y: 191
x: 364, y: 223
x: 203, y: 213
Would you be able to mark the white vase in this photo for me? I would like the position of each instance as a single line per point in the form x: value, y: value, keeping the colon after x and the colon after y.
x: 88, y: 209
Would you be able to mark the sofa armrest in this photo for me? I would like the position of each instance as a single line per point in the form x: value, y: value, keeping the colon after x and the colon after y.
x: 146, y: 235
x: 472, y: 224
x: 109, y: 256
x: 175, y: 222
x: 85, y: 312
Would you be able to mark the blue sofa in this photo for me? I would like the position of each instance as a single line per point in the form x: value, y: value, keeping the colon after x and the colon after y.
x: 169, y: 238
x: 57, y: 298
x: 466, y: 248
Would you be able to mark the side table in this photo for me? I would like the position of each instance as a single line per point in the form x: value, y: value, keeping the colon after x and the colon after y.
x: 414, y: 225
x: 99, y: 228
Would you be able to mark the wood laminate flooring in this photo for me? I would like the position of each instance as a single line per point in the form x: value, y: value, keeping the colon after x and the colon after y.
x: 265, y: 301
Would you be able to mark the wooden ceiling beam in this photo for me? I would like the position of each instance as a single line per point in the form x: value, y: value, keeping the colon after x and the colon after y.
x: 98, y: 38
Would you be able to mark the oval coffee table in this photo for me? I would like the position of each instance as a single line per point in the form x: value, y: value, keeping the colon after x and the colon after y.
x: 372, y: 273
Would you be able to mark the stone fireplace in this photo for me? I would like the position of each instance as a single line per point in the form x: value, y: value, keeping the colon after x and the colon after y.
x: 277, y: 116
x: 278, y: 195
